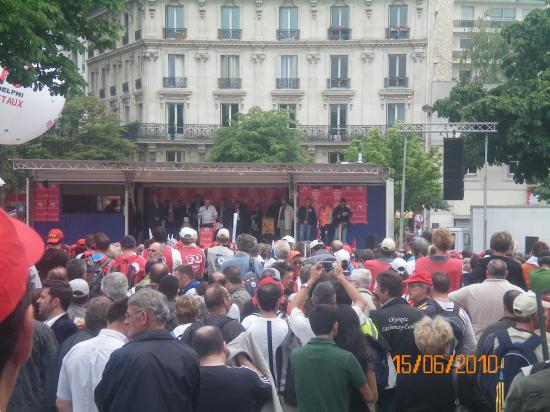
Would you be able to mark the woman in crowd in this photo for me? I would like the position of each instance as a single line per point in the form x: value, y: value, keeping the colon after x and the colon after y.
x: 187, y: 311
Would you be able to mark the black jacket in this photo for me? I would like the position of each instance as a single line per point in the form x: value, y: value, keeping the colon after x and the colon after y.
x: 341, y: 215
x: 395, y: 321
x: 515, y: 272
x: 311, y: 215
x: 63, y: 328
x: 153, y: 372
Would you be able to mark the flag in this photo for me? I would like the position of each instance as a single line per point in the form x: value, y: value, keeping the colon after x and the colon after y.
x: 150, y: 234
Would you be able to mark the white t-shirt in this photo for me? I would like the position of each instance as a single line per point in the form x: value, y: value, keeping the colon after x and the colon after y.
x: 258, y: 325
x: 208, y: 214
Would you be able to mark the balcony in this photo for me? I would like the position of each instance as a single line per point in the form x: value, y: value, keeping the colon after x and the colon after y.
x: 124, y: 39
x: 397, y: 32
x: 137, y: 35
x: 174, y: 82
x: 174, y: 34
x: 229, y: 34
x: 466, y: 24
x: 138, y: 84
x: 338, y: 83
x: 102, y: 93
x: 396, y: 81
x: 229, y: 83
x: 288, y: 34
x: 112, y: 91
x: 497, y: 24
x: 125, y: 87
x: 288, y: 83
x: 339, y: 33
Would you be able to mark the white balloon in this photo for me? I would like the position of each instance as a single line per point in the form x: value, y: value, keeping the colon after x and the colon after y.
x: 26, y: 114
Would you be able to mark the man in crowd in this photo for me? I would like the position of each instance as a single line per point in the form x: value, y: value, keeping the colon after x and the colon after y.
x: 157, y: 272
x: 53, y: 302
x: 281, y: 251
x: 172, y: 256
x: 186, y: 279
x: 58, y: 273
x: 539, y: 279
x: 341, y: 217
x: 75, y: 390
x: 114, y: 286
x: 242, y: 259
x: 285, y: 272
x: 81, y: 294
x: 191, y: 254
x: 207, y: 214
x: 324, y: 374
x: 420, y: 289
x: 307, y: 220
x: 235, y: 287
x: 383, y: 263
x: 54, y: 255
x: 128, y: 262
x: 223, y: 388
x: 318, y: 253
x: 76, y: 269
x: 483, y: 301
x: 325, y: 222
x: 153, y: 359
x: 285, y: 218
x: 419, y: 249
x: 501, y: 243
x: 361, y: 279
x: 218, y: 254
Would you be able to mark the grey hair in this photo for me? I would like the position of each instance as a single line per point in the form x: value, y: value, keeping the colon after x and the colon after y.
x: 363, y: 277
x: 497, y: 268
x: 246, y: 243
x: 282, y: 249
x: 151, y: 301
x: 115, y: 286
x: 323, y: 293
x: 76, y: 268
x: 419, y: 246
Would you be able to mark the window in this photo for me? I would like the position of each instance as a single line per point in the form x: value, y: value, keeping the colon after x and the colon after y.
x: 398, y: 15
x: 338, y: 72
x: 467, y: 12
x: 397, y: 71
x: 288, y: 23
x: 175, y: 156
x: 230, y: 67
x: 228, y: 113
x: 126, y: 27
x: 338, y: 120
x: 396, y: 112
x: 470, y: 171
x: 230, y: 29
x: 175, y: 71
x: 512, y: 167
x: 126, y: 114
x: 291, y: 109
x: 503, y: 14
x: 339, y: 16
x: 466, y: 43
x: 464, y: 75
x: 334, y: 157
x: 175, y: 118
x: 174, y: 23
x: 287, y: 76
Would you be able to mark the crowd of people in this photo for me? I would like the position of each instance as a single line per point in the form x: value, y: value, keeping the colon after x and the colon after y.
x: 244, y: 326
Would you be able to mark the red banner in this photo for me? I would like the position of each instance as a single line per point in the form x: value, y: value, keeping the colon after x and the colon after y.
x: 47, y: 202
x: 356, y: 198
x: 206, y: 237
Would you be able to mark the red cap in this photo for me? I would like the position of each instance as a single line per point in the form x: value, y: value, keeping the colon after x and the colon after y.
x: 81, y: 242
x: 55, y: 236
x: 28, y: 247
x: 292, y: 254
x: 420, y: 276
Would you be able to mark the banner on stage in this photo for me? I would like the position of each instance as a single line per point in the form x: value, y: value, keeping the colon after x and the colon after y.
x: 206, y: 237
x: 356, y: 198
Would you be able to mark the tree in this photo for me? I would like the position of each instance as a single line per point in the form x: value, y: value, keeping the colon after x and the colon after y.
x: 35, y: 33
x: 423, y: 185
x: 520, y: 104
x: 259, y: 137
x: 87, y: 130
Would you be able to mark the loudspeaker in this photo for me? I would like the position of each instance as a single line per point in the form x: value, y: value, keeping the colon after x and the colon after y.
x: 453, y: 169
x: 371, y: 242
x: 529, y: 241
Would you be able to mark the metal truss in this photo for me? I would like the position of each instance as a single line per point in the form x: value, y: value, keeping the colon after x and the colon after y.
x: 456, y: 127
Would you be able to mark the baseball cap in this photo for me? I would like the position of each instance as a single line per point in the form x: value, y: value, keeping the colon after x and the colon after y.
x: 525, y: 304
x: 223, y: 234
x: 342, y: 255
x: 399, y: 265
x: 388, y: 244
x: 55, y: 236
x: 292, y: 254
x: 289, y: 239
x: 316, y: 243
x: 188, y: 233
x: 271, y: 273
x: 22, y: 248
x: 80, y: 288
x: 420, y: 276
x: 128, y: 242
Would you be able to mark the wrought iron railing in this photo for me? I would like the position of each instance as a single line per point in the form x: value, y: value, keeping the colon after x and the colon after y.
x: 339, y: 33
x: 176, y: 82
x: 288, y: 34
x: 338, y: 83
x: 229, y: 83
x: 229, y: 34
x: 288, y: 83
x: 396, y: 81
x: 174, y: 34
x: 397, y: 32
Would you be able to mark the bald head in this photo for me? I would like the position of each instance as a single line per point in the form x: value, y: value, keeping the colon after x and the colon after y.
x: 219, y: 278
x: 216, y: 299
x: 497, y: 269
x: 208, y: 341
x: 336, y: 245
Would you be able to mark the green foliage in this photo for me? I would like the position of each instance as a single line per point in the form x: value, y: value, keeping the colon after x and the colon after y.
x: 543, y: 190
x: 259, y: 137
x: 520, y: 104
x: 87, y: 130
x: 35, y: 32
x: 423, y: 185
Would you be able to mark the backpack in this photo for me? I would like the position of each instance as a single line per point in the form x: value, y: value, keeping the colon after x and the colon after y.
x: 250, y: 278
x: 384, y: 368
x: 187, y: 336
x: 530, y: 393
x: 101, y: 268
x: 511, y: 358
x: 123, y: 264
x: 457, y: 324
x: 285, y: 376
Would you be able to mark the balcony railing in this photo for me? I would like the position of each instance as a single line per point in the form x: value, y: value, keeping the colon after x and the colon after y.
x: 397, y: 32
x: 124, y: 39
x: 339, y: 33
x: 197, y: 132
x: 174, y: 34
x: 459, y: 54
x: 496, y: 24
x: 288, y: 83
x: 125, y: 87
x: 288, y: 34
x: 338, y: 83
x: 229, y: 83
x: 102, y: 93
x: 467, y: 24
x: 229, y: 34
x: 112, y: 91
x: 138, y: 84
x: 396, y: 82
x: 137, y: 35
x: 176, y: 82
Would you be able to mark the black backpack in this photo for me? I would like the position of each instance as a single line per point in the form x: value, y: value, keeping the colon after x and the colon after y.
x: 219, y: 322
x: 380, y: 351
x: 456, y: 322
x: 101, y: 268
x: 250, y: 278
x: 285, y: 376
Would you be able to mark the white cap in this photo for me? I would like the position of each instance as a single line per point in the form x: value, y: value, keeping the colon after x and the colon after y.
x: 223, y: 234
x: 342, y: 255
x: 80, y: 288
x: 316, y: 243
x: 187, y: 232
x: 388, y: 244
x: 525, y: 304
x: 289, y: 239
x: 271, y: 273
x: 399, y: 265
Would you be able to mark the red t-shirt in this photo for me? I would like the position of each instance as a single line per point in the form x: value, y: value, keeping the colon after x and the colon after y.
x: 122, y: 262
x: 376, y: 267
x: 451, y: 267
x: 194, y: 256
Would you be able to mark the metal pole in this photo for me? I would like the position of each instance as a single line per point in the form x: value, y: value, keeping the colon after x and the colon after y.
x: 540, y: 315
x: 485, y: 167
x: 403, y: 183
